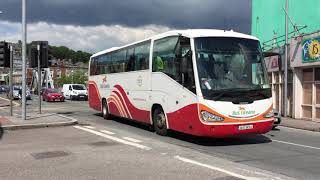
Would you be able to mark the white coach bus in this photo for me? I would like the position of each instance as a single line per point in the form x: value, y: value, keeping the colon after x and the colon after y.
x: 201, y: 82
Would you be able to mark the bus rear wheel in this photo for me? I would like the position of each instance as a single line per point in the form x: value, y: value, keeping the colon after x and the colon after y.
x: 160, y: 122
x: 105, y: 111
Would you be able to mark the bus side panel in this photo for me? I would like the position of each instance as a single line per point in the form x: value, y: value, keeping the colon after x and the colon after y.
x: 174, y: 97
x: 129, y: 108
x: 185, y: 120
x: 94, y: 96
x: 127, y: 94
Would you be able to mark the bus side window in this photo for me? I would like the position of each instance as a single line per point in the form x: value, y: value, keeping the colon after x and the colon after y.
x: 164, y: 56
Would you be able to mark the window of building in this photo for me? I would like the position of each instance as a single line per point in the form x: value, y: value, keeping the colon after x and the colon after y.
x: 311, y: 93
x: 307, y: 93
x: 317, y: 74
x: 307, y: 75
x: 318, y: 94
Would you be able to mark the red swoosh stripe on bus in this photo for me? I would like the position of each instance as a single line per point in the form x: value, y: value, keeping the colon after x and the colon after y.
x: 137, y: 114
x: 113, y: 108
x: 119, y: 105
x: 94, y: 96
x: 123, y: 103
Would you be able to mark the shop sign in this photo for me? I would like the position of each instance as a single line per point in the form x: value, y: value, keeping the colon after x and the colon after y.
x: 274, y: 62
x: 311, y: 50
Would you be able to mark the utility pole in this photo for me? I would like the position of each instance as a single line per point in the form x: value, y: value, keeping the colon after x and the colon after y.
x: 285, y: 92
x: 39, y: 78
x: 24, y: 42
x: 10, y: 80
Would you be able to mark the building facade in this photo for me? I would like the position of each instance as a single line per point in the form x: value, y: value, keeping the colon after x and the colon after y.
x: 268, y: 24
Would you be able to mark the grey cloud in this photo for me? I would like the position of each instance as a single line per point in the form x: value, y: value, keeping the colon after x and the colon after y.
x: 221, y: 14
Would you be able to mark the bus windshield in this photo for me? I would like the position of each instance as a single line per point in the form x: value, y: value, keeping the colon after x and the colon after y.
x: 231, y: 67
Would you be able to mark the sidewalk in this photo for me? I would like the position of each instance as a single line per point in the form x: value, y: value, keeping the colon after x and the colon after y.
x: 35, y: 120
x: 4, y: 102
x: 300, y: 124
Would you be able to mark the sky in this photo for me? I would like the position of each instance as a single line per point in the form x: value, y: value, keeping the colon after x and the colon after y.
x: 94, y: 25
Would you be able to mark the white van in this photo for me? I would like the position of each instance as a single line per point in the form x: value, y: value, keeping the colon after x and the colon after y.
x: 75, y: 91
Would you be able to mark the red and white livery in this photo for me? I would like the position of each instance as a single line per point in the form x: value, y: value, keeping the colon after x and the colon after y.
x: 201, y: 82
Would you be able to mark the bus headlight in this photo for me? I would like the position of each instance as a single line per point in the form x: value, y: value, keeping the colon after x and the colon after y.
x: 269, y: 114
x: 206, y: 116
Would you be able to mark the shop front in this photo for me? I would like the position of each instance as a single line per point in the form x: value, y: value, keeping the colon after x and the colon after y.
x: 303, y: 97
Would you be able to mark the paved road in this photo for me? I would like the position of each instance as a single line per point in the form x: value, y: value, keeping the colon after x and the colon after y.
x: 284, y: 152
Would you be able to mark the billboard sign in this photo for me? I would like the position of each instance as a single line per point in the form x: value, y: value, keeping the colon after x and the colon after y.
x: 311, y: 50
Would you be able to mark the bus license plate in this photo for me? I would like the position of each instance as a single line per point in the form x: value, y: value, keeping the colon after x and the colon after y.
x: 244, y: 127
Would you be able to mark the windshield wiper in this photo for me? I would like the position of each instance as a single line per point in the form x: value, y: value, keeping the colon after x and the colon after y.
x: 227, y: 93
x: 223, y: 93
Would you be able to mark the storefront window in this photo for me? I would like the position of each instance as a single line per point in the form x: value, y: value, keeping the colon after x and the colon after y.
x: 276, y: 77
x: 307, y: 111
x: 307, y: 93
x: 317, y: 74
x: 318, y: 113
x: 318, y: 94
x: 307, y: 74
x: 276, y: 106
x: 270, y: 77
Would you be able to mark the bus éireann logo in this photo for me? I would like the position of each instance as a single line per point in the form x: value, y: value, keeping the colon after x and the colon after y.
x: 104, y: 83
x: 242, y: 108
x: 104, y: 80
x: 243, y: 112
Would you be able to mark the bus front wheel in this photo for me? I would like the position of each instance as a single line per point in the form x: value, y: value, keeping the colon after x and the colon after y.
x: 105, y: 111
x: 159, y: 122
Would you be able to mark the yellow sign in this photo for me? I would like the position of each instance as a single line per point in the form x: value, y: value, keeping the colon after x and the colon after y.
x: 311, y: 50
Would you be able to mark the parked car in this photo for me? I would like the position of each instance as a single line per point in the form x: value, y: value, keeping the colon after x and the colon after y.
x: 3, y: 88
x: 15, y: 92
x: 277, y: 118
x: 75, y: 91
x: 52, y: 95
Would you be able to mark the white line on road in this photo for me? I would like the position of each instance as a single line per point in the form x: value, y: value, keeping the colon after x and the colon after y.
x: 132, y: 139
x: 114, y: 138
x: 107, y: 132
x: 211, y: 167
x: 301, y: 145
x: 89, y: 127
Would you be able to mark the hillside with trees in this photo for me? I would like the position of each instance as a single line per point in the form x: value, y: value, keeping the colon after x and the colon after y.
x: 62, y: 52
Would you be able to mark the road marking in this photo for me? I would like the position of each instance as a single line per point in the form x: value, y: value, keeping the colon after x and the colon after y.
x: 114, y: 138
x: 301, y: 145
x: 107, y: 132
x: 132, y: 139
x: 211, y: 167
x: 89, y: 127
x: 13, y: 102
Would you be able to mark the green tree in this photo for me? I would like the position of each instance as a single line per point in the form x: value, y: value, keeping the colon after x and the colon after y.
x: 77, y: 77
x: 62, y: 52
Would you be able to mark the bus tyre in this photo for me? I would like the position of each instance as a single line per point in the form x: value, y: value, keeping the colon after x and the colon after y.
x: 159, y: 122
x: 105, y: 111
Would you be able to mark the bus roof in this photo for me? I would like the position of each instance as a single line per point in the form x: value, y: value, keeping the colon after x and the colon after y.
x: 191, y: 33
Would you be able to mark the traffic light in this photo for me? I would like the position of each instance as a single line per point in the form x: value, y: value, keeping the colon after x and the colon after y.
x: 33, y: 54
x: 4, y: 54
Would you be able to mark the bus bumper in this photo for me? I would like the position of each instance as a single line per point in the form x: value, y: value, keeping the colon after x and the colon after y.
x: 220, y: 131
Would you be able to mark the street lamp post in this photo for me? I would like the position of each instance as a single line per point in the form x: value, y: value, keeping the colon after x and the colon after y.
x: 285, y: 103
x: 24, y: 41
x: 72, y: 75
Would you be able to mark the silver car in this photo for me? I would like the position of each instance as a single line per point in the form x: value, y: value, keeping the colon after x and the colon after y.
x: 15, y: 93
